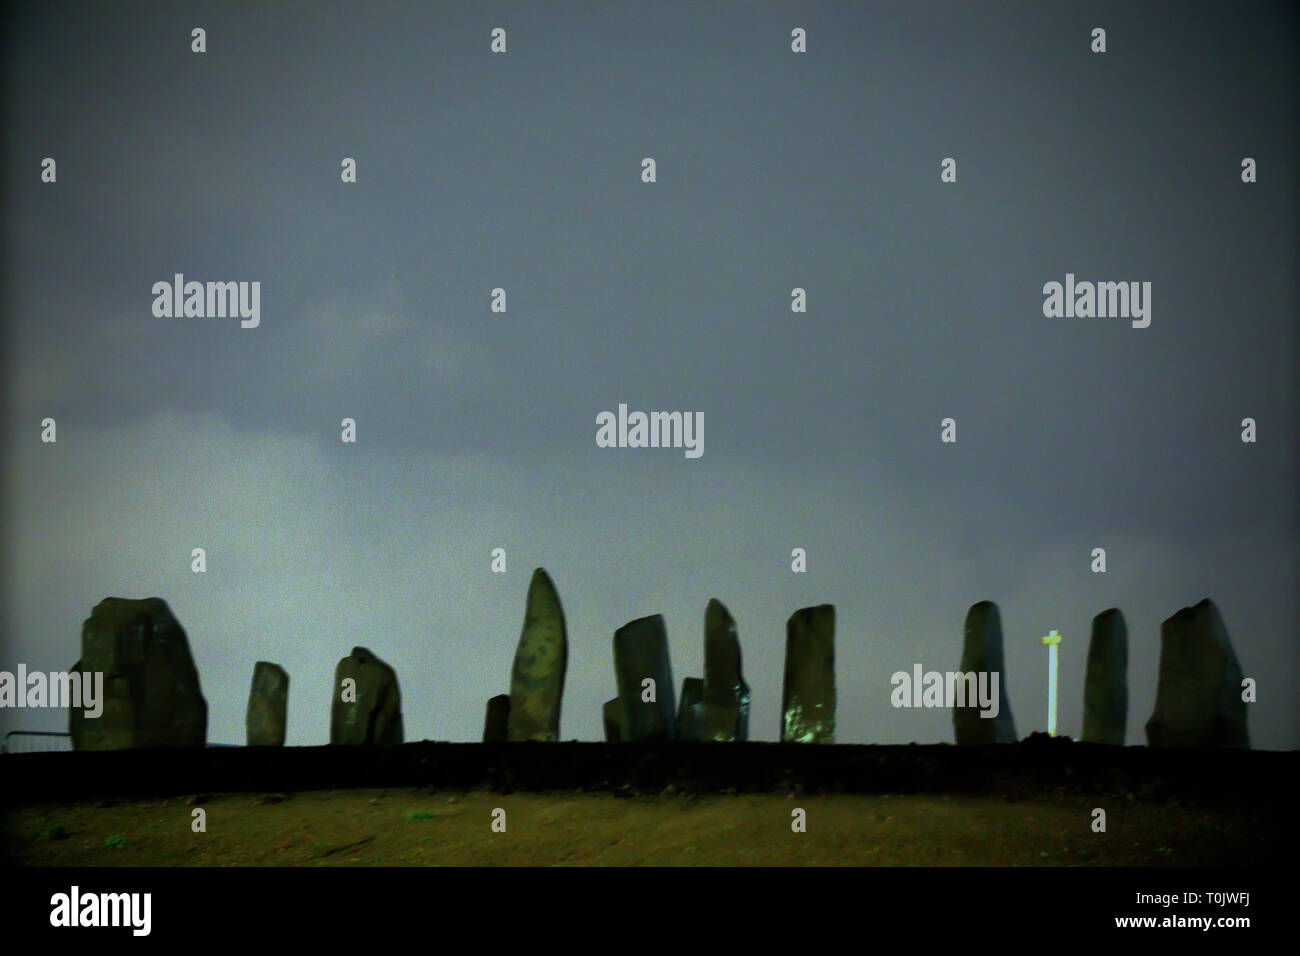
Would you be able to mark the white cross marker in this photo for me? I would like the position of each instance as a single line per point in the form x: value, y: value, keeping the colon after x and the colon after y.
x: 1051, y: 640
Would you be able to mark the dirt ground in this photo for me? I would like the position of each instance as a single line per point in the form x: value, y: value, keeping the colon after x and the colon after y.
x: 411, y: 827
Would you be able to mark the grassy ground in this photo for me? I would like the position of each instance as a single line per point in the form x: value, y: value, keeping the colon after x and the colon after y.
x: 418, y: 828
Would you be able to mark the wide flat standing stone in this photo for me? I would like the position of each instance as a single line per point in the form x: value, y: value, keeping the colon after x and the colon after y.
x: 375, y: 716
x: 640, y: 654
x: 808, y: 691
x: 1198, y: 697
x: 152, y: 697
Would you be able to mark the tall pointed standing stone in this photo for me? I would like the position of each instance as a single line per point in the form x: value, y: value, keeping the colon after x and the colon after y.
x: 368, y: 711
x: 268, y: 705
x: 1105, y: 686
x: 615, y: 722
x: 152, y: 697
x: 724, y: 711
x: 808, y: 692
x: 1198, y: 697
x: 537, y: 679
x: 982, y: 654
x: 688, y: 709
x: 496, y: 724
x: 641, y: 653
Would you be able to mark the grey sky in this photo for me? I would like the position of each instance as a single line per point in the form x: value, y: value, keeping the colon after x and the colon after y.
x: 476, y: 430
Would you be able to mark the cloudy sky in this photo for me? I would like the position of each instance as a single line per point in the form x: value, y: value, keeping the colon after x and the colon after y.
x: 476, y: 430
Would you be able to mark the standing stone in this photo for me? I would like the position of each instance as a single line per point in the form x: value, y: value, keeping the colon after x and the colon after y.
x: 615, y: 721
x: 268, y: 705
x: 808, y: 692
x: 375, y: 716
x: 1105, y: 686
x: 640, y: 652
x: 152, y: 697
x: 496, y: 727
x: 688, y: 709
x: 982, y: 654
x: 1198, y: 697
x: 76, y: 715
x: 537, y: 679
x: 724, y: 711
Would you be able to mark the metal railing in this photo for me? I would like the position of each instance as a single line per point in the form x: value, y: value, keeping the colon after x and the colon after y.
x: 35, y: 741
x: 48, y: 740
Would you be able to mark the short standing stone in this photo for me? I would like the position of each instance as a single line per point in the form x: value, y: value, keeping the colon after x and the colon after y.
x: 1198, y: 697
x: 152, y: 697
x: 1105, y: 686
x: 724, y: 711
x: 808, y: 691
x: 982, y: 655
x: 373, y: 715
x: 640, y: 654
x: 612, y: 714
x: 688, y: 709
x: 537, y: 680
x: 268, y: 705
x: 496, y: 725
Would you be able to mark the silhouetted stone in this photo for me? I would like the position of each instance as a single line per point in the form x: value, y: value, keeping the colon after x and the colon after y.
x: 268, y: 705
x: 808, y: 691
x: 612, y: 714
x: 152, y: 697
x: 688, y: 709
x: 724, y: 709
x: 1198, y: 698
x: 496, y: 727
x: 375, y: 716
x: 1105, y: 686
x: 537, y: 679
x: 640, y: 652
x: 982, y: 654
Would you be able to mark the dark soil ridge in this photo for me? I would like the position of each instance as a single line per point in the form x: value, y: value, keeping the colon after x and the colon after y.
x: 1029, y: 768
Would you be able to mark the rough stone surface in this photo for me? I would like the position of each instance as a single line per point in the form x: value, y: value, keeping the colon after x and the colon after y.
x: 268, y: 705
x: 1198, y: 697
x: 1105, y: 686
x: 152, y: 697
x: 724, y: 711
x: 808, y: 691
x: 982, y: 653
x: 640, y: 652
x: 689, y: 708
x: 375, y: 717
x: 496, y: 726
x: 612, y: 713
x: 537, y: 679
